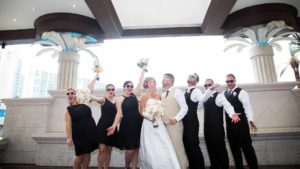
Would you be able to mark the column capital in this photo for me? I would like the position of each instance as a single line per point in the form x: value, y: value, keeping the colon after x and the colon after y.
x: 261, y: 51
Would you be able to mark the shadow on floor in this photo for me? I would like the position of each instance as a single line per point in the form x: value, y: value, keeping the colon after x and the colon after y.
x: 12, y: 166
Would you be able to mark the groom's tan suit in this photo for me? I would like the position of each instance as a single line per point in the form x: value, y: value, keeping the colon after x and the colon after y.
x: 171, y: 108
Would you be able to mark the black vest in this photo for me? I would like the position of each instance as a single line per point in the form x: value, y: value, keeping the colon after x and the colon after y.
x: 190, y: 120
x: 233, y: 98
x: 213, y: 114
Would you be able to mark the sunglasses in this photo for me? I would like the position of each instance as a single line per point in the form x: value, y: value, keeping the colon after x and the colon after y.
x: 129, y: 86
x: 110, y: 89
x: 71, y: 93
x: 207, y: 85
x: 229, y: 81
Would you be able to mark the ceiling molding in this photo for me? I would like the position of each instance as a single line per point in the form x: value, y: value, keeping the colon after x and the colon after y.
x: 178, y: 31
x: 68, y: 22
x: 107, y: 25
x: 298, y: 23
x: 216, y: 15
x: 260, y: 14
x: 105, y: 14
x: 18, y: 36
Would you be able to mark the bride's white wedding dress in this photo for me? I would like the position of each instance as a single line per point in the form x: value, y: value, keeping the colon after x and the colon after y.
x: 156, y: 149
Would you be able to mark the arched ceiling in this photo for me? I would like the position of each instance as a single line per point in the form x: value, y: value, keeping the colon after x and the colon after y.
x: 132, y: 18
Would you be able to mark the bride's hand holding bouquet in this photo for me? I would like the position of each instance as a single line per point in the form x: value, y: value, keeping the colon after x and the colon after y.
x: 152, y: 110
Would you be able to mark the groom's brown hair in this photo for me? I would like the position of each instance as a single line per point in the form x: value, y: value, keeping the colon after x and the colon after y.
x: 170, y: 76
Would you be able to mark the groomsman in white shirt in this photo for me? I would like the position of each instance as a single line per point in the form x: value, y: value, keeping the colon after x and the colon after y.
x: 214, y: 133
x: 238, y: 133
x: 193, y: 96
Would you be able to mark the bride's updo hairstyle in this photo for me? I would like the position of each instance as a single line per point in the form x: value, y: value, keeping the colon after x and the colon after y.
x: 147, y: 79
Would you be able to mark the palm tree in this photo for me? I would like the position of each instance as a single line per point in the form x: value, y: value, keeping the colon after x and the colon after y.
x: 65, y: 46
x: 261, y: 40
x: 294, y: 61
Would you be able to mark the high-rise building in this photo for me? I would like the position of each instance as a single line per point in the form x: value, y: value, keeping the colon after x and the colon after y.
x: 18, y: 78
x: 40, y: 83
x: 18, y: 81
x: 43, y: 81
x: 10, y: 75
x: 52, y: 81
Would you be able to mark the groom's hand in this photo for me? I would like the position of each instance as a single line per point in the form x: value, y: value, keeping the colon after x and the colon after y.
x: 172, y: 121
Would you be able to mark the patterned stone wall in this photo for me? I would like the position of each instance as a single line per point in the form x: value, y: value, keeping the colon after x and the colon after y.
x: 24, y: 117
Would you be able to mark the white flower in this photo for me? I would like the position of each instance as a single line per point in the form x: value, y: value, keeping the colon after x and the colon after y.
x: 153, y: 108
x: 84, y: 96
x: 143, y: 64
x: 234, y: 93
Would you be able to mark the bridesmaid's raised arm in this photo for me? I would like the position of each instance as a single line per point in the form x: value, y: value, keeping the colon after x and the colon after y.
x: 91, y: 87
x: 138, y: 89
x: 92, y: 84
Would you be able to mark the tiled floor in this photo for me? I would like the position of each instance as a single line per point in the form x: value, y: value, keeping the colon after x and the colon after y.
x: 37, y: 167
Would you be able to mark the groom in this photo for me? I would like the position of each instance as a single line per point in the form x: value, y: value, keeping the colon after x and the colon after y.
x: 175, y: 108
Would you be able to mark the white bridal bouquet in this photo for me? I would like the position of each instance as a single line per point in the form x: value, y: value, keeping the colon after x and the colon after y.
x: 153, y: 108
x: 84, y: 96
x: 143, y: 64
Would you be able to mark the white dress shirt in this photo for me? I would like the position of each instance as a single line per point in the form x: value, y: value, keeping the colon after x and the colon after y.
x: 197, y: 95
x: 244, y: 98
x: 179, y: 97
x: 221, y: 101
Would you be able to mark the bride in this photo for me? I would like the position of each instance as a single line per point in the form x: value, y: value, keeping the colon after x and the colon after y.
x: 156, y: 149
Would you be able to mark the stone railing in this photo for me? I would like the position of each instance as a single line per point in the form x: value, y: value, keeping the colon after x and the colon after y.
x: 36, y: 129
x: 23, y: 118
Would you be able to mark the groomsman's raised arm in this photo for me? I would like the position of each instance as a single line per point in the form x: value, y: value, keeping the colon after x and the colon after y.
x: 197, y: 95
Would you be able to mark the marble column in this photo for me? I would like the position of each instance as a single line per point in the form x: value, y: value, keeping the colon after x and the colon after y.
x: 263, y: 64
x: 67, y: 70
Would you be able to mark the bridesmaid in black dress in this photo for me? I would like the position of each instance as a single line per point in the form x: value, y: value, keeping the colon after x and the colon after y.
x: 80, y: 128
x: 131, y: 123
x: 108, y: 113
